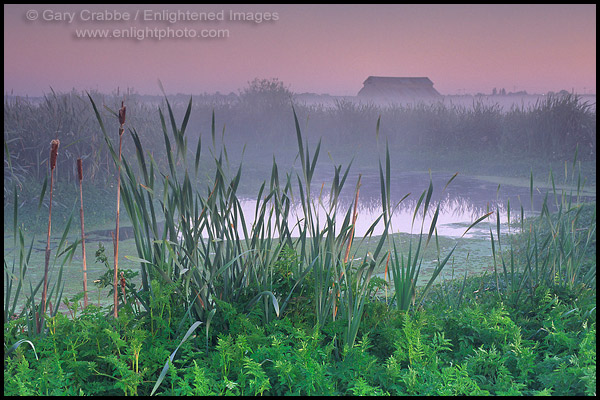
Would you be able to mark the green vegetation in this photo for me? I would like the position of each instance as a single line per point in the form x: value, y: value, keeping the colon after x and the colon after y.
x: 226, y: 309
x: 484, y: 347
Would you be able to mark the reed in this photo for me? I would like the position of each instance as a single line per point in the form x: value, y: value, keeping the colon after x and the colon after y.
x: 13, y: 277
x: 53, y: 155
x: 116, y: 237
x: 552, y: 247
x: 80, y: 175
x: 16, y: 276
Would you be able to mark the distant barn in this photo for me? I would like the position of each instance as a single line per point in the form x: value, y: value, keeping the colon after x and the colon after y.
x: 390, y: 88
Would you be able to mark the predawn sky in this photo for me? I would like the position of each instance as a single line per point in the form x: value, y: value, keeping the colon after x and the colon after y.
x: 331, y: 49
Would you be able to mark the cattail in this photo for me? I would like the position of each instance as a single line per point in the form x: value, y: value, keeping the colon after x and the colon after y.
x: 122, y: 114
x: 122, y: 118
x: 80, y: 175
x: 123, y: 285
x: 116, y: 240
x: 53, y: 153
x: 79, y: 170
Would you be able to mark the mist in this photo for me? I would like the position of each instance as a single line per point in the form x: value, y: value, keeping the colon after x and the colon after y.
x: 510, y: 136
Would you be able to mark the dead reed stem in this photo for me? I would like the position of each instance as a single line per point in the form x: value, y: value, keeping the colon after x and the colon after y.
x: 116, y: 241
x: 80, y: 175
x: 53, y: 154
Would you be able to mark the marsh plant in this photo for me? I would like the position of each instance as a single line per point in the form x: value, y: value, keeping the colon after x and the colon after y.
x: 80, y: 174
x: 557, y: 245
x: 122, y: 112
x: 209, y: 251
x: 217, y: 296
x: 53, y: 154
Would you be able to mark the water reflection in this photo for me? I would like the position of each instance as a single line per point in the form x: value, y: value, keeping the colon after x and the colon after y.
x: 461, y: 203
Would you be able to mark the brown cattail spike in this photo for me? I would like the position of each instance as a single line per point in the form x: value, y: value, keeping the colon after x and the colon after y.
x: 54, y: 152
x: 122, y: 114
x: 79, y: 170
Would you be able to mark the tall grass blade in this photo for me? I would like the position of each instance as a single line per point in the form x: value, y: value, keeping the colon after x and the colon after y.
x: 16, y: 345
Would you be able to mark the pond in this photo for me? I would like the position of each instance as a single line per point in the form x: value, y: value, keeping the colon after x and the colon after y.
x: 461, y: 203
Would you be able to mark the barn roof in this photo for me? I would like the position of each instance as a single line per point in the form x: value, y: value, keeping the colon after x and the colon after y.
x: 389, y: 80
x: 380, y: 86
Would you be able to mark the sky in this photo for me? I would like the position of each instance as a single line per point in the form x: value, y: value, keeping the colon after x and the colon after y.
x: 324, y: 49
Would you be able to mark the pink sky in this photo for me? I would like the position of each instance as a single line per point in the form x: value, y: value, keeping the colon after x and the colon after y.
x: 311, y: 48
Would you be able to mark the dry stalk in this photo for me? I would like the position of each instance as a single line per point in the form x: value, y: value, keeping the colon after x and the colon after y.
x: 80, y: 175
x: 53, y: 154
x: 116, y: 239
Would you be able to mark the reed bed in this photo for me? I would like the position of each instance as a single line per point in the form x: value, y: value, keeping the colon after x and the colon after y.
x: 203, y: 250
x: 551, y: 128
x: 35, y: 314
x: 556, y: 245
x: 208, y: 263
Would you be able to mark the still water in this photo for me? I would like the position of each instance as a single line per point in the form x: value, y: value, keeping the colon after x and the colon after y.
x: 461, y: 203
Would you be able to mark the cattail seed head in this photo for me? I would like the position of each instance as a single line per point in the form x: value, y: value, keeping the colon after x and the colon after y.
x: 54, y: 152
x: 79, y: 169
x: 122, y: 114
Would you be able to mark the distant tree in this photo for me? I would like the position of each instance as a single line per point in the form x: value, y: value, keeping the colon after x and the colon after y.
x: 266, y: 94
x: 265, y: 111
x: 494, y: 92
x: 503, y: 92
